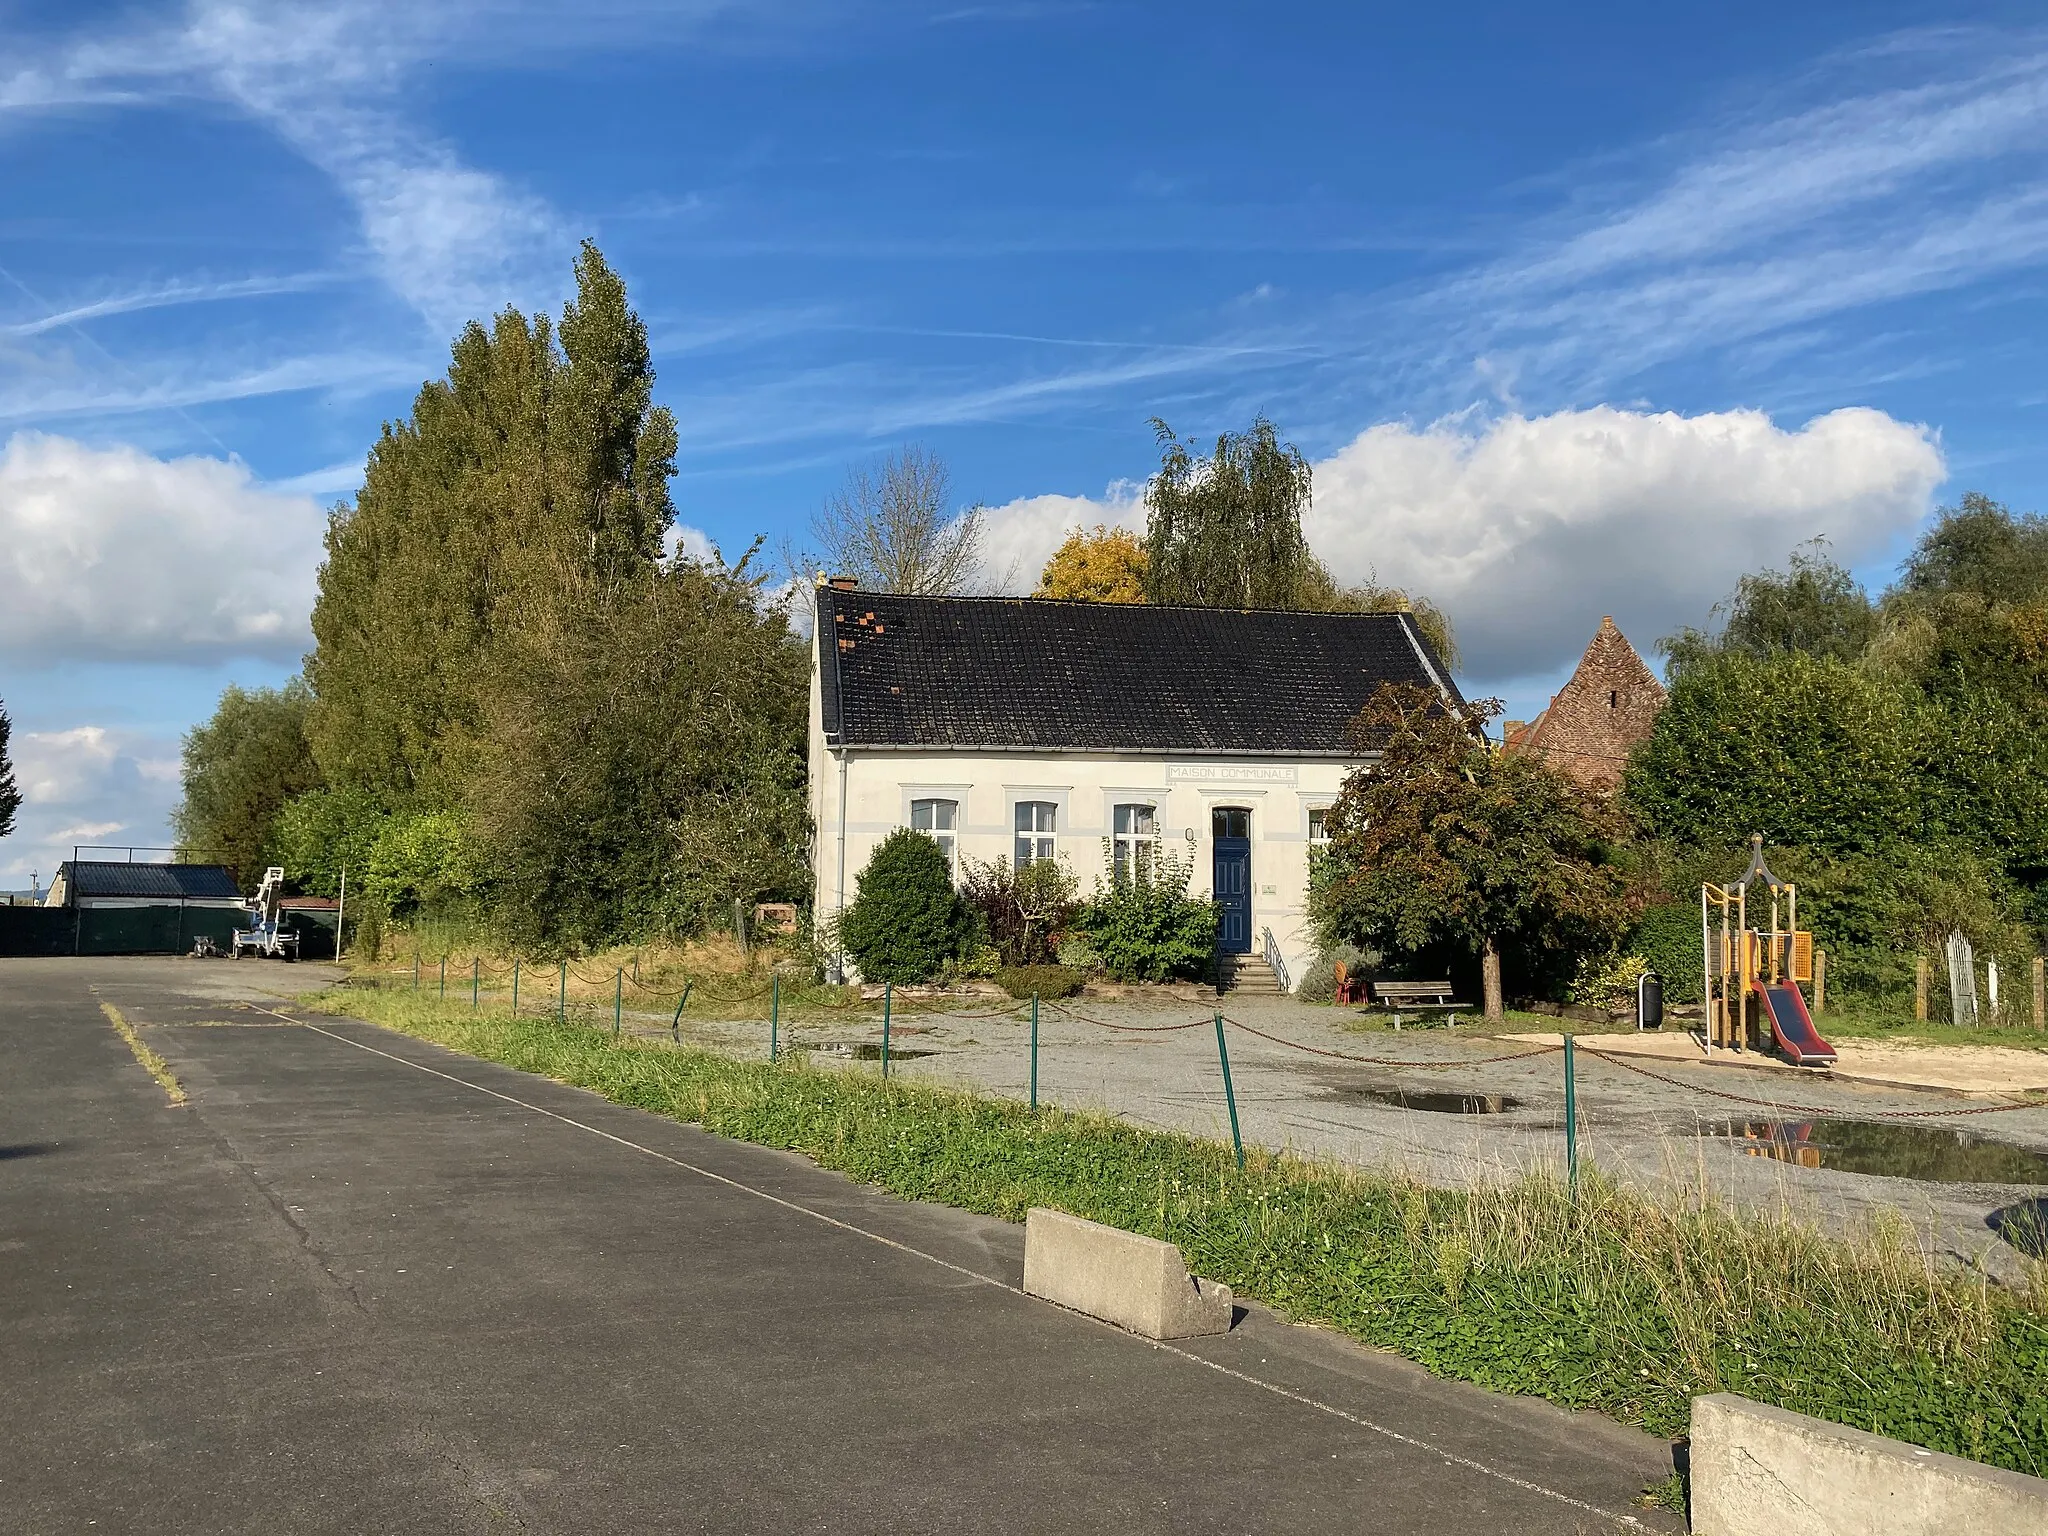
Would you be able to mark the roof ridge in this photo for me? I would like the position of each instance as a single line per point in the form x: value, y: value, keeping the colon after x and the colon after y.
x: 1092, y: 603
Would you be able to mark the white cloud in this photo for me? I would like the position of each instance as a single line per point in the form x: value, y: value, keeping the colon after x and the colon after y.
x: 1529, y: 529
x: 1019, y: 536
x: 109, y: 553
x: 692, y: 543
x: 87, y: 784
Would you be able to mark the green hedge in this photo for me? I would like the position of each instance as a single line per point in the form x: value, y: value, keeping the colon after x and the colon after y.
x: 1040, y: 980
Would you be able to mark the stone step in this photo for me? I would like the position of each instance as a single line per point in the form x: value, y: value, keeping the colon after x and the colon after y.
x: 1253, y: 977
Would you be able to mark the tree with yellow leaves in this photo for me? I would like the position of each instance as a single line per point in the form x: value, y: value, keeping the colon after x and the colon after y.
x: 1102, y: 565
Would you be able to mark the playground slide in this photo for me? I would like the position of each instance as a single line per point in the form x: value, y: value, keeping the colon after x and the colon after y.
x: 1793, y: 1025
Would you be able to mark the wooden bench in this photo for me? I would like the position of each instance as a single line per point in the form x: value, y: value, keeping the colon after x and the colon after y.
x: 1413, y: 994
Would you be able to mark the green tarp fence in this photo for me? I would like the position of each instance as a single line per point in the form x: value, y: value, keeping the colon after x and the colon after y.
x: 169, y: 929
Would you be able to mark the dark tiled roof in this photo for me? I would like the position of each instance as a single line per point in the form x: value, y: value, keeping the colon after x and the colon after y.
x: 993, y: 672
x: 170, y: 882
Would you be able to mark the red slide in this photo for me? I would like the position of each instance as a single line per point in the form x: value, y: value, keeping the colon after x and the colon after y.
x: 1793, y: 1025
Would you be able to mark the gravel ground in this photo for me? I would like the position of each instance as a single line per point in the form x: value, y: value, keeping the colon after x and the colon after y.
x: 1631, y: 1126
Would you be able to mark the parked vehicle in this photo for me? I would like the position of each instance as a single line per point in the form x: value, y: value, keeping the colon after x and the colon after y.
x: 266, y: 937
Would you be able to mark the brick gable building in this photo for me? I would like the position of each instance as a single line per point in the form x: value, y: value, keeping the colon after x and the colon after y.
x: 1602, y: 713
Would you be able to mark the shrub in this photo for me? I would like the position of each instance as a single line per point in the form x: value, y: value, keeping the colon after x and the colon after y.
x: 1609, y: 981
x: 1020, y: 910
x: 905, y: 921
x: 1077, y: 954
x: 424, y: 866
x: 1804, y: 749
x: 1667, y: 936
x: 1146, y: 926
x: 1319, y: 981
x: 1022, y: 981
x: 977, y: 962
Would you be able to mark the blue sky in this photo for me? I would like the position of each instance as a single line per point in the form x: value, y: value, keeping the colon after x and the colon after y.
x: 1578, y: 309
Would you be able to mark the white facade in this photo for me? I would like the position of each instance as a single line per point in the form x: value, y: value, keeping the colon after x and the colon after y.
x: 862, y: 794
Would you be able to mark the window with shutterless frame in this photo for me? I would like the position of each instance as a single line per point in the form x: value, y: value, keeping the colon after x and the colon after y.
x: 1037, y: 830
x: 940, y: 820
x: 1135, y: 837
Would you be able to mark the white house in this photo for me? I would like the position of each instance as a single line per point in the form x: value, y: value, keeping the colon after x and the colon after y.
x: 1027, y: 729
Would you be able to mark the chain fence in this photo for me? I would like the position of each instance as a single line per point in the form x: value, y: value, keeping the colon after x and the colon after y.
x: 806, y: 1001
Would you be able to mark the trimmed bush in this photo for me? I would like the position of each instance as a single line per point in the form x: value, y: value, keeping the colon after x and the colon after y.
x: 906, y: 921
x: 1022, y: 981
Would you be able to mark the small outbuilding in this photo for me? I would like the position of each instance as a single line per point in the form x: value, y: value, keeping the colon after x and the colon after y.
x: 120, y: 907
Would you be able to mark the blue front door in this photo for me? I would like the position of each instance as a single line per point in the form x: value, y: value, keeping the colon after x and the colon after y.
x: 1230, y: 831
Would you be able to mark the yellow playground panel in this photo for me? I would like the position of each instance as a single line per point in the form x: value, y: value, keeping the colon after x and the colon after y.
x: 1738, y: 956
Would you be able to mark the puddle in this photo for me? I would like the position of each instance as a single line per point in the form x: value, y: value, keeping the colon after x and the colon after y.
x: 1932, y: 1154
x: 1437, y: 1102
x: 871, y: 1050
x: 2024, y: 1225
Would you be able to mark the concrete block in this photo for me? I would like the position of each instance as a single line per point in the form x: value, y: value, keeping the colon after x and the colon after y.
x: 1759, y: 1471
x: 1136, y: 1282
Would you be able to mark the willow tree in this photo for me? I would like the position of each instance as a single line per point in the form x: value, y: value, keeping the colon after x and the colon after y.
x: 1223, y: 530
x: 539, y: 451
x: 239, y: 769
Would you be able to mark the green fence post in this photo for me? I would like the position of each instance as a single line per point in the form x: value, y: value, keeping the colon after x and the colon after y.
x: 774, y: 1014
x: 675, y: 1025
x: 1034, y: 1052
x: 562, y: 998
x: 515, y: 986
x: 1571, y: 1119
x: 618, y: 999
x: 888, y: 992
x: 1229, y: 1093
x: 444, y: 978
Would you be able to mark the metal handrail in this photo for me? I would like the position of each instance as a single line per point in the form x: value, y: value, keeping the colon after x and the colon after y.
x: 1273, y: 959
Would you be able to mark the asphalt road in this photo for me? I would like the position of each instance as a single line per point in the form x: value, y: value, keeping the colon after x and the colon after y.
x: 361, y: 1284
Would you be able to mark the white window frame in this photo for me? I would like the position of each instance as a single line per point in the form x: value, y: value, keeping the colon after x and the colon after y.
x: 1319, y: 826
x: 1130, y: 844
x: 942, y: 818
x: 1040, y: 838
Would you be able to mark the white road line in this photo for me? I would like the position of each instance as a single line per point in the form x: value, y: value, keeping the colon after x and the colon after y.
x: 1450, y: 1458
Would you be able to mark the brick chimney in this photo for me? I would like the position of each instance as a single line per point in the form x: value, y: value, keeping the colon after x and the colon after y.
x: 842, y: 583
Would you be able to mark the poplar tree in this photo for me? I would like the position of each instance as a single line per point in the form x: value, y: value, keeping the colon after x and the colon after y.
x: 10, y: 794
x: 539, y: 451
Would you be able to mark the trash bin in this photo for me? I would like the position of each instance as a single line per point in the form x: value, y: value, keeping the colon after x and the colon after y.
x: 1650, y: 1001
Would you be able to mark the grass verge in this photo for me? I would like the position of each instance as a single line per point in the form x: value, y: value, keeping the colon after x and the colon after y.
x: 152, y: 1063
x: 1610, y: 1300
